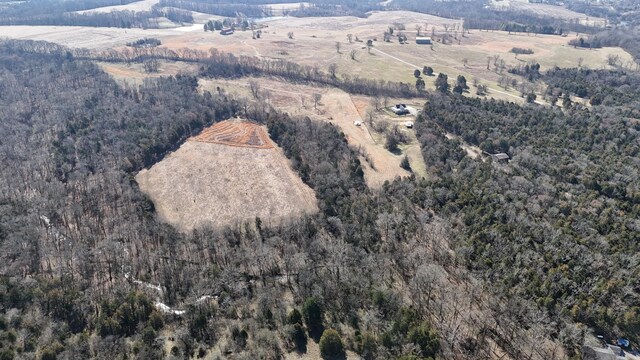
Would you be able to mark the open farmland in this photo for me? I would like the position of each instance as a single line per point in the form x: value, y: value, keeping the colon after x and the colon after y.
x: 336, y: 107
x: 229, y: 173
x: 313, y: 42
x: 555, y: 11
x: 134, y: 74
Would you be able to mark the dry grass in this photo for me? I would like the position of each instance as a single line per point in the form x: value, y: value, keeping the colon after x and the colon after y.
x: 214, y: 184
x: 84, y: 37
x: 143, y: 5
x: 540, y: 9
x: 314, y: 43
x: 134, y: 73
x: 336, y: 107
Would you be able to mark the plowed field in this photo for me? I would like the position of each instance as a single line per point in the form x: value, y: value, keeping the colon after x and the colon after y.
x: 236, y: 133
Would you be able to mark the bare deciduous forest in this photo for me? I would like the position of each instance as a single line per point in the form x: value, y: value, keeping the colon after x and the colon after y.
x: 526, y: 255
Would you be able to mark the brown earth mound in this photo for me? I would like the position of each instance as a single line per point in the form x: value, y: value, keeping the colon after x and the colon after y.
x: 236, y: 133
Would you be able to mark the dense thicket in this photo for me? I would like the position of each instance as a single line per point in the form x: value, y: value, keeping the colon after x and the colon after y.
x: 220, y: 8
x: 557, y: 225
x: 337, y: 8
x: 627, y: 38
x: 602, y: 87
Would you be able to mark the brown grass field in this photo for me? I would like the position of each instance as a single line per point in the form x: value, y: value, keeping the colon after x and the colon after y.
x: 336, y: 107
x: 215, y: 184
x: 142, y: 5
x: 548, y: 10
x: 314, y: 43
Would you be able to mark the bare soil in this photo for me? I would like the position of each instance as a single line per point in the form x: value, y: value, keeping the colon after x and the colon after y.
x: 236, y: 133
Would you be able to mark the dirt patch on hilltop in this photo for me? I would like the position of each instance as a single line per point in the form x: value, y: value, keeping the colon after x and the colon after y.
x: 211, y: 183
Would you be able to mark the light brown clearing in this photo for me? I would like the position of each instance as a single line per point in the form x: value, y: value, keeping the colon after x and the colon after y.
x: 555, y: 11
x: 336, y: 107
x: 314, y: 43
x: 143, y: 5
x: 214, y: 184
x: 236, y: 133
x: 134, y: 74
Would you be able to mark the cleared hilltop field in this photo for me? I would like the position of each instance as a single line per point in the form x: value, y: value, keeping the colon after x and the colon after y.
x: 340, y: 109
x: 230, y: 173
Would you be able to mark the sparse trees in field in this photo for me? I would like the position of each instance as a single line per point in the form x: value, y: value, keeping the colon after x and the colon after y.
x: 405, y: 163
x: 353, y: 54
x: 350, y: 38
x: 427, y: 70
x: 461, y: 81
x: 338, y: 46
x: 481, y: 90
x: 416, y: 73
x: 332, y: 68
x: 418, y: 29
x: 420, y: 85
x: 504, y: 82
x: 151, y: 66
x: 399, y: 26
x: 254, y: 87
x: 290, y: 34
x: 316, y: 100
x: 442, y: 83
x: 392, y: 141
x: 613, y: 60
x: 376, y: 102
x: 303, y: 101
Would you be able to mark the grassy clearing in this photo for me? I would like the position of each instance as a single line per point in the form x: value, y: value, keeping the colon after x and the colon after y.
x: 189, y: 190
x: 336, y: 107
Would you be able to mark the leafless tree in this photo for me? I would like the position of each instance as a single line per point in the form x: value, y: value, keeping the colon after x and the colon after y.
x: 316, y: 100
x: 255, y: 88
x: 353, y: 54
x: 350, y: 38
x: 333, y: 68
x: 338, y: 45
